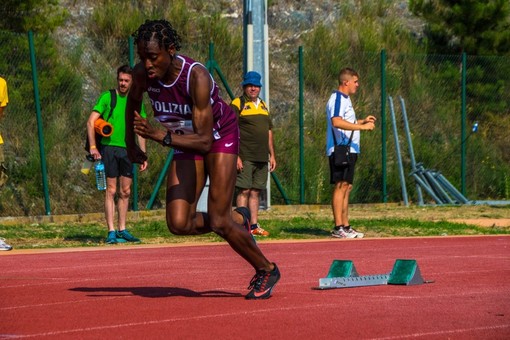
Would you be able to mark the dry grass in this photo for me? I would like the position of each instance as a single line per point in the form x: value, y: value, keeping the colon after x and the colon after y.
x: 479, y: 214
x: 306, y: 222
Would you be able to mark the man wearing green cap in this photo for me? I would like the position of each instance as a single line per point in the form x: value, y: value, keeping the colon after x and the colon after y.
x: 256, y: 148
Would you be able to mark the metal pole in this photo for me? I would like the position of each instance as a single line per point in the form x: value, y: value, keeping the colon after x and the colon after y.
x: 410, y: 145
x: 135, y: 168
x: 399, y: 155
x: 161, y: 177
x: 448, y: 186
x: 425, y: 187
x: 249, y: 36
x: 44, y: 172
x: 209, y: 63
x: 280, y: 188
x: 265, y: 38
x: 301, y: 131
x: 463, y: 128
x: 266, y: 55
x: 436, y: 186
x: 257, y: 55
x: 383, y: 126
x: 216, y: 68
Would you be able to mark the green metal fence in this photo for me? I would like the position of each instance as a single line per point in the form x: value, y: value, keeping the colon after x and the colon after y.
x: 44, y: 126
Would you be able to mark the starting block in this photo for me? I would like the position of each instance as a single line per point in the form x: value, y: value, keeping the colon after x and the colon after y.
x: 343, y: 274
x: 406, y: 272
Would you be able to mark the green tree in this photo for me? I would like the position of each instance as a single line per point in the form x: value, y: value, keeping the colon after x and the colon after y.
x: 21, y: 16
x: 477, y: 27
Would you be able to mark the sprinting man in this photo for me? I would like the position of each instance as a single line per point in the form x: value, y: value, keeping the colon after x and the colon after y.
x: 203, y: 131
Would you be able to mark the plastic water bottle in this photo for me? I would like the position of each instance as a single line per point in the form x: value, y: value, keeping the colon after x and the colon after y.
x: 475, y: 127
x: 100, y: 175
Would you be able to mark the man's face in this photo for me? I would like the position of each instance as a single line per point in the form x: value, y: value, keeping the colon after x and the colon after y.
x: 252, y: 91
x: 351, y: 84
x: 156, y: 60
x: 124, y: 83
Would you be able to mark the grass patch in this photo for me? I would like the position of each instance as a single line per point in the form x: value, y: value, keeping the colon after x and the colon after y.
x: 310, y: 226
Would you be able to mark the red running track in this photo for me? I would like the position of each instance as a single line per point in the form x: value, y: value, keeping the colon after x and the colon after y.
x: 197, y: 292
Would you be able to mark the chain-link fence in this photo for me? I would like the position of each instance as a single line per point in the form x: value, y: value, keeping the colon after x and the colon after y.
x: 454, y: 107
x: 432, y: 87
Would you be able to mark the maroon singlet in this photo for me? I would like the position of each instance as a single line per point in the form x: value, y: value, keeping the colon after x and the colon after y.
x: 172, y: 106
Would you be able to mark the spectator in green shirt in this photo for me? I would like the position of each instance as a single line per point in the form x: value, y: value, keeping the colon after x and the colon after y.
x: 112, y: 150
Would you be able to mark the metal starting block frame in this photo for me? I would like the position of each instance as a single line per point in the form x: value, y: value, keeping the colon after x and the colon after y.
x: 353, y: 281
x: 343, y: 274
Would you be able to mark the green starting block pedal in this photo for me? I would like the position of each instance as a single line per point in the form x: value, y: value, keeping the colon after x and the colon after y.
x: 342, y: 268
x: 405, y: 272
x: 343, y: 274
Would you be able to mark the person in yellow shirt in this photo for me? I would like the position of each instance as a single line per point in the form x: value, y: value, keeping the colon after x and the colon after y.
x: 4, y: 100
x: 256, y: 150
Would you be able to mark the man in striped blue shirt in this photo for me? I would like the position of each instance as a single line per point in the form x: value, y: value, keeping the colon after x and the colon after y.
x: 344, y: 129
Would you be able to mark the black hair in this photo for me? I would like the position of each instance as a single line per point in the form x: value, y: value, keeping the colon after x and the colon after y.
x: 160, y: 30
x: 124, y: 69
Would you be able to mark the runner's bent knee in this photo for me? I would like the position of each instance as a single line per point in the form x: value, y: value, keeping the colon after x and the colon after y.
x: 179, y: 225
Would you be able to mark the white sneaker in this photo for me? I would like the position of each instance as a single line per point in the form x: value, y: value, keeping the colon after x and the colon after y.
x: 352, y: 233
x: 340, y: 233
x: 3, y: 245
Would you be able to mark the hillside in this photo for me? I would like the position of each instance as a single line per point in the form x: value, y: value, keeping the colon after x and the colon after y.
x: 80, y: 64
x: 288, y: 21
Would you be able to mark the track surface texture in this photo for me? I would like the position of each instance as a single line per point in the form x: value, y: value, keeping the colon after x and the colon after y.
x: 197, y: 292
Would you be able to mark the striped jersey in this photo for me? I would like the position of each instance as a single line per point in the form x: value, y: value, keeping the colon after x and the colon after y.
x: 340, y: 105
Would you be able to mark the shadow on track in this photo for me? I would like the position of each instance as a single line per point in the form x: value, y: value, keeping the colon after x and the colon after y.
x: 152, y: 292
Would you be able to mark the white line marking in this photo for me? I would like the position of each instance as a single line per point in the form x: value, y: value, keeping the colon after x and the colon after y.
x: 453, y: 331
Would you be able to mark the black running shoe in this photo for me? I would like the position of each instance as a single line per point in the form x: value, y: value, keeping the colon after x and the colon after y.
x: 245, y: 212
x: 262, y: 284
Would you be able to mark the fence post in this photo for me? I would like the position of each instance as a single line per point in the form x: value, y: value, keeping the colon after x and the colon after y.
x: 383, y: 126
x: 135, y: 168
x: 44, y: 174
x: 161, y: 178
x: 209, y: 62
x: 301, y: 129
x: 463, y: 128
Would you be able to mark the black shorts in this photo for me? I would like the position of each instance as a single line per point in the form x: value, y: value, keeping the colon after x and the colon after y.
x: 116, y: 162
x: 343, y: 173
